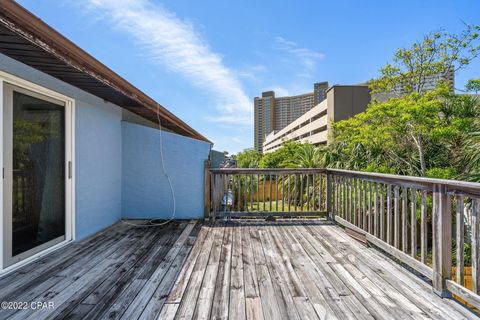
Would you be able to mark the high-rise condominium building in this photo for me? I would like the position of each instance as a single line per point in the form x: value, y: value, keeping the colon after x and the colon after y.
x: 275, y: 113
x: 314, y: 126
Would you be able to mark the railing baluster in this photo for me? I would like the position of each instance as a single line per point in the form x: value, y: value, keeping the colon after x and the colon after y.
x: 283, y: 194
x: 335, y: 194
x: 370, y: 208
x: 345, y: 198
x: 413, y: 223
x: 382, y: 212
x: 270, y: 191
x: 365, y: 219
x: 276, y: 193
x: 460, y: 241
x: 308, y: 191
x: 245, y: 196
x: 396, y: 209
x: 264, y: 198
x: 329, y: 194
x: 289, y: 186
x: 339, y: 195
x: 313, y: 191
x: 229, y: 189
x: 404, y: 219
x: 375, y: 209
x: 352, y: 200
x: 423, y: 228
x: 442, y: 240
x: 360, y: 203
x: 295, y: 192
x: 258, y: 192
x: 213, y: 194
x: 475, y: 247
x: 340, y: 203
x: 239, y: 208
x: 252, y: 196
x: 389, y: 214
x: 320, y: 192
x: 301, y: 192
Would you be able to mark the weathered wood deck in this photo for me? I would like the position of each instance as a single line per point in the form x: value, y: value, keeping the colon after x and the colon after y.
x: 238, y: 270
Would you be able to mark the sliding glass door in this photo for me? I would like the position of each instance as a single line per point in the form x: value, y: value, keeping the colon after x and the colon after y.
x: 35, y: 173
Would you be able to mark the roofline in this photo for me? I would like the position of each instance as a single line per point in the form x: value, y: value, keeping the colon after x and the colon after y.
x: 27, y: 25
x: 346, y: 86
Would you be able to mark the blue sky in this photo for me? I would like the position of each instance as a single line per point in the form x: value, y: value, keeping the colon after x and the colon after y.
x: 206, y: 60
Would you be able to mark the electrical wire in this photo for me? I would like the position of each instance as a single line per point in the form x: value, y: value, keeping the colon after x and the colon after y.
x: 151, y: 222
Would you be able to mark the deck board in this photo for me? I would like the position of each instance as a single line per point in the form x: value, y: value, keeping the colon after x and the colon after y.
x: 290, y: 269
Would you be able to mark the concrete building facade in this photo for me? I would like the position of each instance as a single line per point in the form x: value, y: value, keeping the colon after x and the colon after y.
x: 314, y: 126
x: 272, y: 114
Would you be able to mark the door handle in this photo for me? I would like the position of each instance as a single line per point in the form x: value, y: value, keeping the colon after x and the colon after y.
x: 69, y: 169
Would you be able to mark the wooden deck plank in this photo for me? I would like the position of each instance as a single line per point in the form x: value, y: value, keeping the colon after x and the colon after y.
x: 284, y: 287
x: 298, y: 266
x: 271, y: 303
x: 157, y: 301
x: 130, y: 256
x: 339, y: 298
x: 288, y: 269
x: 237, y: 287
x: 80, y: 279
x: 182, y: 281
x: 21, y: 280
x: 253, y: 304
x: 221, y: 297
x: 412, y: 287
x: 301, y: 306
x: 205, y: 297
x: 108, y: 297
x: 189, y: 300
x: 380, y: 303
x: 137, y: 305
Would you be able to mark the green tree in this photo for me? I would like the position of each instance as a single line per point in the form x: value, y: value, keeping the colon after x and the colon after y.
x: 306, y: 156
x: 473, y: 85
x: 282, y: 157
x: 248, y: 158
x: 414, y: 135
x: 436, y: 54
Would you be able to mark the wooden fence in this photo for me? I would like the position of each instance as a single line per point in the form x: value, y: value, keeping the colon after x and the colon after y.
x: 431, y: 225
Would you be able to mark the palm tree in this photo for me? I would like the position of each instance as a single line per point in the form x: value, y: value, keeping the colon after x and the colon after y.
x: 302, y: 186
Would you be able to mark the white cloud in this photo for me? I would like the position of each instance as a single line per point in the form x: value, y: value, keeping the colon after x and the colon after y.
x: 306, y: 57
x: 176, y: 45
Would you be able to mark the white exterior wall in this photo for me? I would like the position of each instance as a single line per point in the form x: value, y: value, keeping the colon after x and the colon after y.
x: 304, y: 125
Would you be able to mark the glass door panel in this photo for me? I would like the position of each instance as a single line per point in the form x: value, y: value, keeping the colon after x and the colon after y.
x: 34, y: 181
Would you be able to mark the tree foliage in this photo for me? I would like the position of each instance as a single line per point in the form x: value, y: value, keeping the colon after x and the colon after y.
x: 473, y: 85
x: 437, y: 54
x: 248, y: 158
x: 413, y: 135
x: 282, y: 157
x: 420, y: 132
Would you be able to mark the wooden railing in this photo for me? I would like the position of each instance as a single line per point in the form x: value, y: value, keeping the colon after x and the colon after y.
x: 430, y: 225
x: 262, y: 192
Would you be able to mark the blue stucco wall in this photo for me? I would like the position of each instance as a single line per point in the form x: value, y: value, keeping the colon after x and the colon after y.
x: 97, y: 151
x: 145, y: 189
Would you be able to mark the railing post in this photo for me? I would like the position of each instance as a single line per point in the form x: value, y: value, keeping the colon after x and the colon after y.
x: 207, y: 187
x: 329, y: 196
x: 442, y: 240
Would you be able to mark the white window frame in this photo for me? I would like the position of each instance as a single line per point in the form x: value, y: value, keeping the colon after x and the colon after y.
x: 69, y: 155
